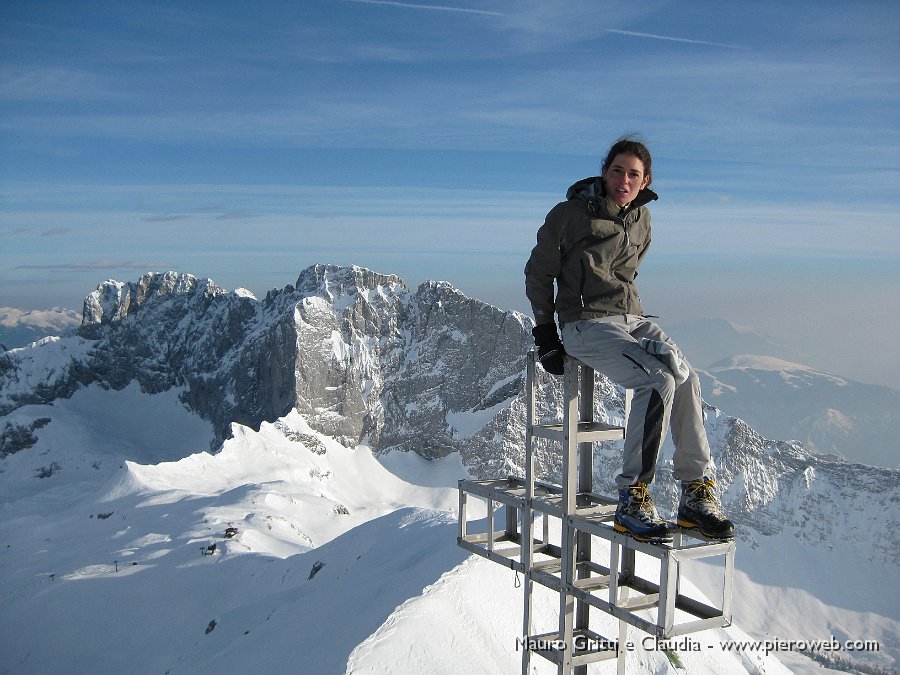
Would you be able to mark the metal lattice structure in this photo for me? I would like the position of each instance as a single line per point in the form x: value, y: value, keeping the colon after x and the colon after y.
x: 607, y: 581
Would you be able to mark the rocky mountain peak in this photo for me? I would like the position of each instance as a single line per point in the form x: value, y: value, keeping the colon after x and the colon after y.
x: 114, y: 300
x: 334, y: 281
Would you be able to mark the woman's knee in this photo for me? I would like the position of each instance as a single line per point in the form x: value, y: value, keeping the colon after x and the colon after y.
x: 692, y: 381
x: 664, y: 383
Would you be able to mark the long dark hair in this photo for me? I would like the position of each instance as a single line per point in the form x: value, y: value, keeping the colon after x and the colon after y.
x: 630, y: 145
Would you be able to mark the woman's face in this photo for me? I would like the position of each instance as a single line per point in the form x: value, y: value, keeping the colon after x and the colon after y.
x: 624, y: 179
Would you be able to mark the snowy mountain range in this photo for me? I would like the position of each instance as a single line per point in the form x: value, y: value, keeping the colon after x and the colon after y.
x: 21, y: 327
x: 709, y: 340
x: 745, y: 373
x: 827, y: 413
x: 766, y: 384
x: 327, y: 424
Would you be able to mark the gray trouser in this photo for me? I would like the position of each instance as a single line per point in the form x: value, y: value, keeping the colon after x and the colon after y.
x: 611, y: 346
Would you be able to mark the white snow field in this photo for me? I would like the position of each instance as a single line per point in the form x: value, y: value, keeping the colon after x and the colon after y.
x: 340, y: 562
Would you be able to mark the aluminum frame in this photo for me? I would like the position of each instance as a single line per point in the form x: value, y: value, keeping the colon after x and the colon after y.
x: 568, y: 568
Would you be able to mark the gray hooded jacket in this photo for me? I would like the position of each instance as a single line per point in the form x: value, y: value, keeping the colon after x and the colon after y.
x: 590, y: 253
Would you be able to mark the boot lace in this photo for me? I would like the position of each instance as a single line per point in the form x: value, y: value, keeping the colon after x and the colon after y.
x: 702, y: 493
x: 643, y: 502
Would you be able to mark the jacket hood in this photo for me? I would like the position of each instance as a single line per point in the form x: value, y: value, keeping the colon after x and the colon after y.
x: 592, y: 190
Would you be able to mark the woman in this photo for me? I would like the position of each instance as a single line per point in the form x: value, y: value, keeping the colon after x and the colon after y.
x: 590, y: 247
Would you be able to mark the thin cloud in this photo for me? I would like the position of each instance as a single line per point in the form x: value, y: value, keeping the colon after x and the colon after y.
x: 439, y: 8
x: 163, y: 218
x: 671, y: 39
x: 56, y: 232
x: 96, y: 265
x: 235, y: 215
x: 28, y: 83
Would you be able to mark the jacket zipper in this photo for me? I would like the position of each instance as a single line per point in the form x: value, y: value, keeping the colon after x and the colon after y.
x: 581, y: 286
x: 623, y: 219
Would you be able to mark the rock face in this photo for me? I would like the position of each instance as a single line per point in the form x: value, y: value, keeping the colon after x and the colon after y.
x: 360, y: 355
x: 365, y: 359
x: 774, y: 487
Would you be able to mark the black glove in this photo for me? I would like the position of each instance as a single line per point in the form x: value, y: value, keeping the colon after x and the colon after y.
x: 550, y: 349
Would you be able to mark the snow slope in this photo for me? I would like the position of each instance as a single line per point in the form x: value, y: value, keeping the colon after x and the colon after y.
x: 339, y: 564
x: 87, y: 436
x: 114, y: 580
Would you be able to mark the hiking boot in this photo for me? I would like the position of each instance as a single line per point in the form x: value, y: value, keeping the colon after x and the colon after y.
x: 699, y: 508
x: 636, y: 515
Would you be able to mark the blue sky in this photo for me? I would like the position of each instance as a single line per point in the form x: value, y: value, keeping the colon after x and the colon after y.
x: 245, y: 141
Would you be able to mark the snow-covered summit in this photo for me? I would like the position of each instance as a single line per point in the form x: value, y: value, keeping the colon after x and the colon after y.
x: 114, y: 300
x: 19, y: 327
x: 827, y: 413
x: 54, y: 319
x: 335, y: 281
x: 772, y: 364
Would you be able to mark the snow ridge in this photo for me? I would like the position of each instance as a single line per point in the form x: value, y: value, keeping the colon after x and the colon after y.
x: 365, y: 360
